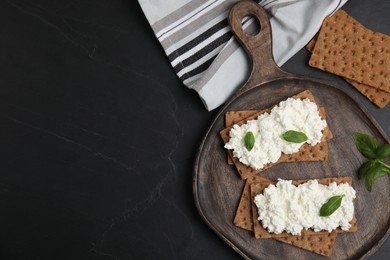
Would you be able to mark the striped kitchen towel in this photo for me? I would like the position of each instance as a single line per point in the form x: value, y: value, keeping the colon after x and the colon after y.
x: 197, y: 40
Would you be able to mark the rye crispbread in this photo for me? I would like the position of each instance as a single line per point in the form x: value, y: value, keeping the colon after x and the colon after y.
x: 236, y: 117
x: 319, y: 152
x: 244, y: 217
x: 379, y: 97
x: 318, y: 243
x: 348, y: 49
x: 257, y: 188
x: 322, y: 244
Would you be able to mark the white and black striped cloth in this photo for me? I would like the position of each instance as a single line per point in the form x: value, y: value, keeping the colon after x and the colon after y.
x: 196, y: 38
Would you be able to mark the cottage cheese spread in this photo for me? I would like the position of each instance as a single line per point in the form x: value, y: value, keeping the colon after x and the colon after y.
x: 291, y: 114
x: 290, y: 208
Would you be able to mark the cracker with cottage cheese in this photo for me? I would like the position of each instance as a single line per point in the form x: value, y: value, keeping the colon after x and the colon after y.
x: 240, y: 117
x: 306, y: 152
x: 261, y: 232
x: 321, y: 243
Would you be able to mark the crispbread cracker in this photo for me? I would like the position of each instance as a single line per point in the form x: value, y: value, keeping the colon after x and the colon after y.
x: 322, y: 244
x: 318, y: 243
x: 257, y: 188
x: 234, y: 117
x: 312, y: 43
x: 237, y: 117
x: 346, y: 48
x: 243, y: 217
x: 319, y: 152
x: 379, y: 97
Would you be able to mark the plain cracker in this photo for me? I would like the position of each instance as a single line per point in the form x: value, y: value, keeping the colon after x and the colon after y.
x: 346, y: 48
x: 379, y: 97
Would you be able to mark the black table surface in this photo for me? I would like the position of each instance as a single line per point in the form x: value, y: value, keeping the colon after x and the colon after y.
x: 98, y: 136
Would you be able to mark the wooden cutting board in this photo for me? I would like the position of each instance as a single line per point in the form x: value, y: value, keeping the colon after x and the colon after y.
x: 217, y: 186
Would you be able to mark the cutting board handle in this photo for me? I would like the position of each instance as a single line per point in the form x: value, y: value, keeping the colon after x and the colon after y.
x: 258, y: 46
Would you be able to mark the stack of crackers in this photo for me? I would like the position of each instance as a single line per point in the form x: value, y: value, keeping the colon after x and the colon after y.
x: 247, y: 215
x: 362, y: 57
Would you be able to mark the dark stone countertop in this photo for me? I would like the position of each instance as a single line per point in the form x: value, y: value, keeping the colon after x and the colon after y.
x: 98, y: 136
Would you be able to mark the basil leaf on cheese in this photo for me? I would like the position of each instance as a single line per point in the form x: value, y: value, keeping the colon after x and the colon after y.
x: 249, y: 140
x: 294, y: 136
x: 331, y: 206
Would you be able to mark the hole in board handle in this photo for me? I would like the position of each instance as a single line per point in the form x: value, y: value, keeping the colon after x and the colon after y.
x: 251, y: 25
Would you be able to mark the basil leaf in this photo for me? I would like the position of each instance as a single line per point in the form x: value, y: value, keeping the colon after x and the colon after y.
x: 370, y: 166
x: 365, y: 169
x: 294, y: 136
x: 383, y: 151
x: 366, y: 144
x: 331, y: 206
x: 378, y: 169
x: 371, y: 149
x: 249, y: 140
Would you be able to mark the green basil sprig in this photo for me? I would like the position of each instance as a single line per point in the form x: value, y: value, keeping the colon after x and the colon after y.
x: 294, y: 136
x: 249, y: 140
x: 331, y: 206
x: 366, y: 144
x: 383, y: 151
x: 376, y: 166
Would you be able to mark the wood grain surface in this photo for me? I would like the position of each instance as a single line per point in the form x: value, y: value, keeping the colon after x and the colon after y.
x: 217, y: 186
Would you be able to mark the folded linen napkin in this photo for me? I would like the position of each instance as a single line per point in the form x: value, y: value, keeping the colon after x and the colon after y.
x: 196, y: 38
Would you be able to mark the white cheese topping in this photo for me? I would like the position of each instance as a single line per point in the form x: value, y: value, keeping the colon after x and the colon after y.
x: 290, y: 208
x: 291, y: 114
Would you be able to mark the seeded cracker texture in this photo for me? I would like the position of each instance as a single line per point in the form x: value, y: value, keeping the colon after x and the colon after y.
x: 238, y: 117
x: 257, y: 188
x: 318, y: 242
x: 346, y: 48
x: 243, y: 217
x: 307, y: 152
x: 377, y: 96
